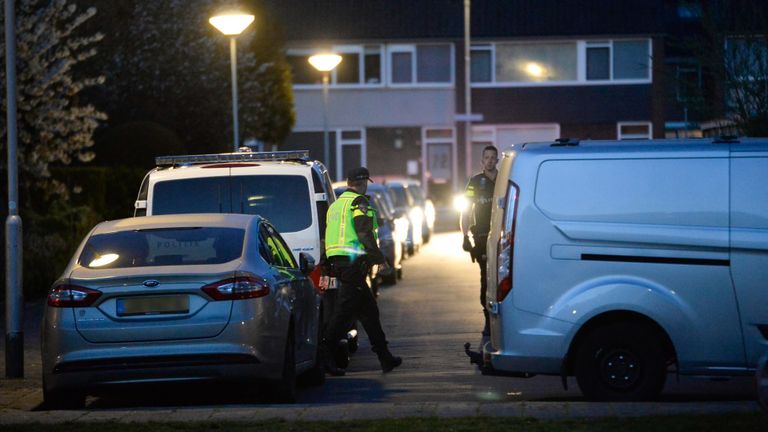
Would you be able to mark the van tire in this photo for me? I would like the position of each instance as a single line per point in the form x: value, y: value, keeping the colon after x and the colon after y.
x: 621, y: 362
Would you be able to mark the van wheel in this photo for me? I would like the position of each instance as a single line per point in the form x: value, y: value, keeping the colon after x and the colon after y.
x: 61, y: 400
x: 284, y: 390
x: 621, y: 362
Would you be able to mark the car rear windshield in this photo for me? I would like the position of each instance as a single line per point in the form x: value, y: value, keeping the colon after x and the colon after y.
x: 160, y: 247
x: 400, y: 196
x: 282, y: 199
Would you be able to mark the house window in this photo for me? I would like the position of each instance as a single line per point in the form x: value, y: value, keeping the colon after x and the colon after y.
x: 630, y: 59
x: 598, y: 61
x: 372, y: 64
x: 348, y: 71
x: 360, y: 66
x: 536, y: 62
x: 481, y: 63
x: 634, y: 130
x: 421, y: 64
x: 303, y: 72
x: 402, y: 67
x: 433, y: 63
x: 578, y: 62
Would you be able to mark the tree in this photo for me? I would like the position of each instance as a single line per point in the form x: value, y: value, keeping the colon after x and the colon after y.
x: 53, y: 126
x: 173, y: 69
x: 732, y: 49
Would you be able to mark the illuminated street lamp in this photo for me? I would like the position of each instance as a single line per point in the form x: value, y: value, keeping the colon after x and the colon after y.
x: 325, y: 63
x: 232, y: 24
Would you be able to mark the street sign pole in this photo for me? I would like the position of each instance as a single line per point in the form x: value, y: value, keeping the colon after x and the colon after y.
x: 14, y: 335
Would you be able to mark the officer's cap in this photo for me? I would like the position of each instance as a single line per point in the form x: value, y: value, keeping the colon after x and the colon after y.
x: 359, y: 174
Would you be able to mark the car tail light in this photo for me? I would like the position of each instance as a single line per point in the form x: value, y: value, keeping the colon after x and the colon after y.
x: 506, y: 246
x: 66, y: 295
x: 239, y: 287
x: 315, y: 276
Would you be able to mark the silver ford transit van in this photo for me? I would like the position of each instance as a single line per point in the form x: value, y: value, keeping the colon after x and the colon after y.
x: 616, y: 260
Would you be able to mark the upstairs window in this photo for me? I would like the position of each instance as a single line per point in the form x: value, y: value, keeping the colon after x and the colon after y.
x: 576, y: 62
x: 360, y: 66
x: 421, y: 64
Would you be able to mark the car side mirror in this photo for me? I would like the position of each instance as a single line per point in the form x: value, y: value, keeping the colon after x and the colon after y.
x: 306, y: 263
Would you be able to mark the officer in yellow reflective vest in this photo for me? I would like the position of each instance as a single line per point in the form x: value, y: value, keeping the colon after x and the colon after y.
x: 351, y: 249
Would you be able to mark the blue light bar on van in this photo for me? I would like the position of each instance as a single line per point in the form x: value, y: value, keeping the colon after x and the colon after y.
x: 302, y: 155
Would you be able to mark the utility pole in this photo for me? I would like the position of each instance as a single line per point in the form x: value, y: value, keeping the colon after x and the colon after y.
x: 14, y: 298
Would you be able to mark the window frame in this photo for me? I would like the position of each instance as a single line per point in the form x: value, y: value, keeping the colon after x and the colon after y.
x: 412, y: 49
x: 581, y: 64
x: 360, y: 50
x: 628, y: 137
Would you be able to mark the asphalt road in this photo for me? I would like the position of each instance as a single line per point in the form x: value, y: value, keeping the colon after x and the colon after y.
x: 428, y: 316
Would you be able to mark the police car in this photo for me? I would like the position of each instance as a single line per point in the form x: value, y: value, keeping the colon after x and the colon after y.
x: 287, y: 188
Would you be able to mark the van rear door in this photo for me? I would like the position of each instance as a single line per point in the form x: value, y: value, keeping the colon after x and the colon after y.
x: 749, y: 243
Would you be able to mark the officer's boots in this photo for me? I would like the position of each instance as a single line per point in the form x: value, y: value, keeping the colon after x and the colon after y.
x: 387, y: 360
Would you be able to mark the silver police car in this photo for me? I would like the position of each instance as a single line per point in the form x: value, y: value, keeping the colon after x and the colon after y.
x: 180, y: 298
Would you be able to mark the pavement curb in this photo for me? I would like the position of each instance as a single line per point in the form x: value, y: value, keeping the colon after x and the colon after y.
x: 371, y: 411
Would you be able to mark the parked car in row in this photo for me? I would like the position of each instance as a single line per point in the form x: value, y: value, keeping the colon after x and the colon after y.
x: 427, y: 208
x: 181, y: 298
x: 406, y: 205
x: 612, y: 260
x: 289, y: 189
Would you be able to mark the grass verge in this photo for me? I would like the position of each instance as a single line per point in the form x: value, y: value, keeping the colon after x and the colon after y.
x: 742, y: 422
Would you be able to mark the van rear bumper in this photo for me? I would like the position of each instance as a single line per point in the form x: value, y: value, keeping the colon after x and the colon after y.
x: 526, y: 342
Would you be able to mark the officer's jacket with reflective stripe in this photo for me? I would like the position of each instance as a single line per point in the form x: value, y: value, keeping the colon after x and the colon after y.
x: 351, y: 228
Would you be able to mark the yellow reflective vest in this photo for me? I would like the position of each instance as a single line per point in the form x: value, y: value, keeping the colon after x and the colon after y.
x: 340, y: 236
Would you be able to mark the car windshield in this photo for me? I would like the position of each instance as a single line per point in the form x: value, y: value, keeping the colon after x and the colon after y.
x: 281, y: 199
x: 165, y: 246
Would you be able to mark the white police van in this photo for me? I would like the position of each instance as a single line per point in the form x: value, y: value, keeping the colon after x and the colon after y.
x: 614, y: 260
x: 286, y: 187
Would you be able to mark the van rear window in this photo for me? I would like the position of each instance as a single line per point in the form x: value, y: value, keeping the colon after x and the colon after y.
x: 282, y: 199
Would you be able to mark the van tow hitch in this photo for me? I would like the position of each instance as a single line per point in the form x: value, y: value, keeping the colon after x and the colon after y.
x: 485, y: 366
x: 475, y: 357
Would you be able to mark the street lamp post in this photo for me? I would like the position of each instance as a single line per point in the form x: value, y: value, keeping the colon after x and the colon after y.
x: 325, y: 63
x: 232, y: 24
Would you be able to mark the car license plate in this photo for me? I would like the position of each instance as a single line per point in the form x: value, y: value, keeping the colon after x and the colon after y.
x: 171, y: 304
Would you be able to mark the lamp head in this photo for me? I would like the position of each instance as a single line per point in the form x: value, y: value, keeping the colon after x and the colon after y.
x: 325, y: 62
x: 232, y: 23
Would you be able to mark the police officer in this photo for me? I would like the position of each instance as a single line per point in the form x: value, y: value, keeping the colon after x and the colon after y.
x: 479, y: 192
x: 351, y: 249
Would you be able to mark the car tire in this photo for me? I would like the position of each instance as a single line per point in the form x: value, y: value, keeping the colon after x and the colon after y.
x: 400, y: 273
x: 63, y: 400
x: 316, y: 376
x: 621, y: 362
x: 761, y: 382
x: 284, y: 390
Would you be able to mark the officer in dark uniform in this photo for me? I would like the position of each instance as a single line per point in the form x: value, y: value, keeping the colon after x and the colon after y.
x: 479, y: 193
x: 351, y: 248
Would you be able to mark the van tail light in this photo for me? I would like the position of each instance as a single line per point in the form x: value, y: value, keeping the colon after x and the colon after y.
x: 506, y: 246
x: 66, y: 295
x: 239, y: 287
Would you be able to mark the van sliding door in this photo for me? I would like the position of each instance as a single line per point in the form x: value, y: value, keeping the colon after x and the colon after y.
x: 749, y: 245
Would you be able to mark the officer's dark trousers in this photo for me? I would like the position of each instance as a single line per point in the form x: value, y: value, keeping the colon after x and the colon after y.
x: 482, y: 260
x: 355, y: 301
